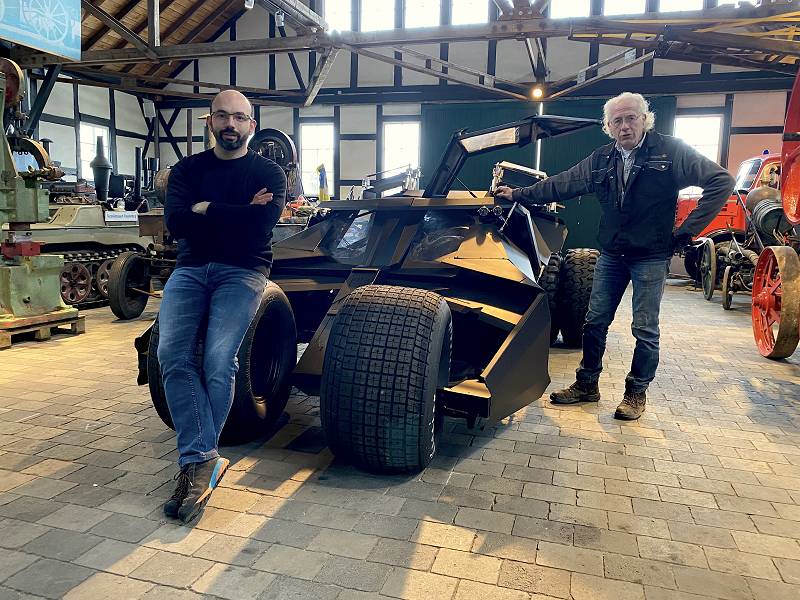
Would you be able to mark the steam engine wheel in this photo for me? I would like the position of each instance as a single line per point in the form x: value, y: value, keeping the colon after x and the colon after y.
x: 776, y: 302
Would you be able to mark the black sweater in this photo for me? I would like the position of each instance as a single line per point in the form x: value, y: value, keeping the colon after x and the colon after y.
x: 232, y: 231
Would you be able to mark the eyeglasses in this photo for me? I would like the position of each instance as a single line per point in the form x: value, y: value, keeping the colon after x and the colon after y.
x: 627, y: 119
x: 222, y: 116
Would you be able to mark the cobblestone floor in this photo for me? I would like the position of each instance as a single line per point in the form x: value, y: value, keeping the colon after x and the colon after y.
x: 701, y: 498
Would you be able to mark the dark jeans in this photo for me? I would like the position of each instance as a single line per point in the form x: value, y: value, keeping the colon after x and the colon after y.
x: 611, y: 278
x: 214, y: 303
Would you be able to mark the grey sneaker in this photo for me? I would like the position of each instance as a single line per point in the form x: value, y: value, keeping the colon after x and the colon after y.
x: 577, y: 392
x: 632, y: 406
x: 204, y: 477
x: 184, y: 480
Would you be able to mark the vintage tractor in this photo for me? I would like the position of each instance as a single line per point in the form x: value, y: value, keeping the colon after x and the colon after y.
x: 412, y: 307
x: 776, y: 282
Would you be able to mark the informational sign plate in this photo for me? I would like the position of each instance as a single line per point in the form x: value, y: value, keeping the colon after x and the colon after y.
x: 122, y: 216
x: 52, y: 26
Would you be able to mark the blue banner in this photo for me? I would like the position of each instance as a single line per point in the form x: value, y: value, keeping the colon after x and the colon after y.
x: 52, y: 26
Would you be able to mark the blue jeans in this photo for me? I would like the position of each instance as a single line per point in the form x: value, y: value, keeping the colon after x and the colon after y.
x: 611, y: 278
x: 214, y: 303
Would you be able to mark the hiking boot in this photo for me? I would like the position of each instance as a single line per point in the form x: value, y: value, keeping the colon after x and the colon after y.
x: 204, y: 477
x: 184, y: 479
x: 577, y: 392
x: 632, y: 406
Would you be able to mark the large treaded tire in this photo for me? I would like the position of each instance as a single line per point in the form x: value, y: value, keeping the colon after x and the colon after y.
x: 388, y: 352
x: 575, y: 288
x: 549, y: 282
x: 267, y: 357
x: 128, y: 269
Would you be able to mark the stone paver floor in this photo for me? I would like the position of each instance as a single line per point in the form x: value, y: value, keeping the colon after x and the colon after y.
x: 699, y: 499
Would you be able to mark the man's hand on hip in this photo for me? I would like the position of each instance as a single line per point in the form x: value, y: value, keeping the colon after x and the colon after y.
x: 200, y: 208
x: 503, y: 192
x: 262, y: 197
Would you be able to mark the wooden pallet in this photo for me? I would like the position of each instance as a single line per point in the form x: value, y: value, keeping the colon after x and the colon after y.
x: 43, y: 331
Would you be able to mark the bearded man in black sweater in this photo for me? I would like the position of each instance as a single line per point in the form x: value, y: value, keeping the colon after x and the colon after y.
x: 221, y: 206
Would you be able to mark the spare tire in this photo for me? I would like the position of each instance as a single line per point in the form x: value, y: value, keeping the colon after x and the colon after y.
x: 267, y: 357
x: 575, y: 288
x: 549, y: 282
x: 387, y: 354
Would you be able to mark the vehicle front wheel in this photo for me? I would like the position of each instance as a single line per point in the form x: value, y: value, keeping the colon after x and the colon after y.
x: 387, y: 354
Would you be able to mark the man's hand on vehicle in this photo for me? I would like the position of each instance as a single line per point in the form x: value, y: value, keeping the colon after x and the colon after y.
x: 262, y: 197
x: 200, y: 208
x: 503, y: 192
x: 680, y: 241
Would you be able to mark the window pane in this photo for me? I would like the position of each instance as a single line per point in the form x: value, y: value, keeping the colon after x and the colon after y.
x: 624, y: 7
x: 338, y: 15
x: 468, y: 12
x: 400, y: 146
x: 316, y: 148
x: 423, y: 13
x: 564, y: 9
x: 730, y: 2
x: 400, y: 149
x: 377, y: 15
x: 676, y: 5
x: 702, y: 133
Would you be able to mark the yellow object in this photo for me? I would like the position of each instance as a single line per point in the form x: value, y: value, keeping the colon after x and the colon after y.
x: 323, y: 184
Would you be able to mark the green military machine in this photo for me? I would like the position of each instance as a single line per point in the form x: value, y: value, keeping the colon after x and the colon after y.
x: 30, y: 296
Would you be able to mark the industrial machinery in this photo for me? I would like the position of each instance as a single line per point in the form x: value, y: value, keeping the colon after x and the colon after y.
x: 29, y: 280
x: 734, y: 220
x: 776, y: 281
x: 84, y: 227
x: 412, y: 306
x: 730, y: 264
x: 136, y: 275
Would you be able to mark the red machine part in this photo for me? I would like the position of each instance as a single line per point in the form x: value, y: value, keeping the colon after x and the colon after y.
x: 9, y: 250
x: 790, y: 154
x: 776, y: 302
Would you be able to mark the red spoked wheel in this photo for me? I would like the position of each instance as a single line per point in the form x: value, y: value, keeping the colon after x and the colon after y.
x: 776, y: 302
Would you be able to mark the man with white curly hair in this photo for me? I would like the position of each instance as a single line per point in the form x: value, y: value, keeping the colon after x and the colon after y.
x: 636, y: 179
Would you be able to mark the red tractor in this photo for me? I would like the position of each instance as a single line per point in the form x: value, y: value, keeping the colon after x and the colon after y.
x: 776, y: 281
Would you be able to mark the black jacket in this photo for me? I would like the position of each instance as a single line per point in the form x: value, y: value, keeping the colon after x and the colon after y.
x: 232, y: 231
x: 638, y: 218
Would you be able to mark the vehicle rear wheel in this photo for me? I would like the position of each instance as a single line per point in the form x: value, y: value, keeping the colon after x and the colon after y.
x: 549, y: 282
x: 128, y: 279
x: 575, y: 288
x: 267, y: 358
x: 387, y: 354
